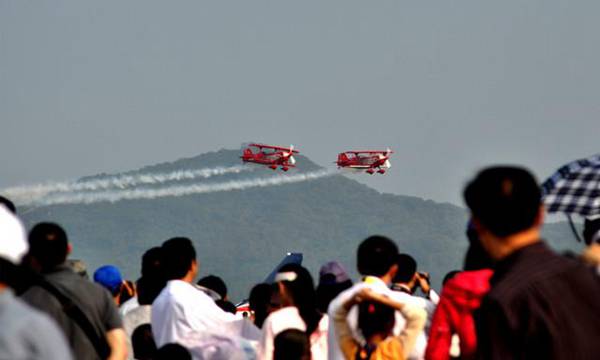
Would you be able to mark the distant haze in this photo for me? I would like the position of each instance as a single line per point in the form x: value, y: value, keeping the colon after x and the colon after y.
x: 450, y: 86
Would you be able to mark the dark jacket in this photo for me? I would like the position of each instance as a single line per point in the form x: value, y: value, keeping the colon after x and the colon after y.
x: 541, y: 306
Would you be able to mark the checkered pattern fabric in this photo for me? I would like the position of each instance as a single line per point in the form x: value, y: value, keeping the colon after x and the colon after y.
x: 574, y: 188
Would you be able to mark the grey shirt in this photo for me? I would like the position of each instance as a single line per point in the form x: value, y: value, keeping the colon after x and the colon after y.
x: 26, y: 333
x: 94, y: 300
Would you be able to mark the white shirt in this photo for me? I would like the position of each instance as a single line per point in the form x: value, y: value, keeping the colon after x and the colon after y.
x: 375, y: 284
x: 418, y: 352
x: 211, y: 346
x: 181, y: 309
x: 134, y: 318
x: 289, y: 318
x: 128, y: 305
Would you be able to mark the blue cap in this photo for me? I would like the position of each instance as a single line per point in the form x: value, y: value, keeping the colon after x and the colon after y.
x: 109, y: 277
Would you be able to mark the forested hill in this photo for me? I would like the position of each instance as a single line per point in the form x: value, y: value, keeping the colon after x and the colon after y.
x: 241, y: 234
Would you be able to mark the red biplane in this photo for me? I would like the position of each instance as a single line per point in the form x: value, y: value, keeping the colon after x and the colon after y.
x: 370, y: 161
x: 272, y: 156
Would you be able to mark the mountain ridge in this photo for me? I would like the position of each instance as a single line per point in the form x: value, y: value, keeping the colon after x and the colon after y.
x: 241, y: 234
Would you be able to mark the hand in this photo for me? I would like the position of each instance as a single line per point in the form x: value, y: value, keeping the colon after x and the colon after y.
x: 423, y: 281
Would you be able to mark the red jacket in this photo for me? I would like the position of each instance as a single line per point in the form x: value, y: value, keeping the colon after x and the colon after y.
x: 454, y: 314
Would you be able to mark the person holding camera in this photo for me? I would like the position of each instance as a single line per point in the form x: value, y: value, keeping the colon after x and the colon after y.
x: 405, y: 283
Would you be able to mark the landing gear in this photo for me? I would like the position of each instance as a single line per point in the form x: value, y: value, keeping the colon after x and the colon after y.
x: 274, y: 167
x: 381, y: 171
x: 285, y: 168
x: 370, y: 171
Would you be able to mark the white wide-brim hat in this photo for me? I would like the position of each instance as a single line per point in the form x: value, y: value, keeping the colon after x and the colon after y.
x: 13, y: 241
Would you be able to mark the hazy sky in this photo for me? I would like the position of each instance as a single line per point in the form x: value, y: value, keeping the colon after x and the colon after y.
x: 103, y: 86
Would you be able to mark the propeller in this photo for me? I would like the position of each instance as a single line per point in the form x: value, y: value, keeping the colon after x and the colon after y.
x: 289, y: 155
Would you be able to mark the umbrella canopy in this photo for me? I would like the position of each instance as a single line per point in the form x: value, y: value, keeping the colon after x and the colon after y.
x: 574, y: 188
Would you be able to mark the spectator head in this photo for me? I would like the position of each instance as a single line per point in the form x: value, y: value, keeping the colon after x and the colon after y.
x: 407, y: 269
x: 142, y: 341
x: 260, y: 302
x: 591, y: 231
x: 173, y: 352
x: 13, y: 244
x: 291, y: 344
x: 476, y: 258
x: 376, y: 256
x: 109, y: 277
x: 504, y: 202
x: 151, y: 261
x: 8, y: 204
x: 297, y: 289
x: 375, y: 319
x: 48, y: 246
x: 179, y: 259
x: 148, y: 289
x: 449, y: 276
x: 226, y: 306
x: 333, y: 279
x: 215, y: 284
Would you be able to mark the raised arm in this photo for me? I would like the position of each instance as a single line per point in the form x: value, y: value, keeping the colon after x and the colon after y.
x: 415, y: 317
x: 342, y: 331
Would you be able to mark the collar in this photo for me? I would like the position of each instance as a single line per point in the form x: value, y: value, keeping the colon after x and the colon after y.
x: 505, y: 265
x: 374, y: 281
x: 402, y: 288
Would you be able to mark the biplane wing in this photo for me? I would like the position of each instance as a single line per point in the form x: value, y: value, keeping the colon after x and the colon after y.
x: 281, y: 148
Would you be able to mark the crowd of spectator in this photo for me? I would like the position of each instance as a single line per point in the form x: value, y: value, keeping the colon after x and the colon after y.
x: 515, y: 298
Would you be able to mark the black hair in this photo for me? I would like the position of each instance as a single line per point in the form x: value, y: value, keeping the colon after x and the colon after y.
x: 151, y: 261
x: 148, y: 289
x: 375, y: 318
x: 142, y: 342
x: 407, y: 267
x: 291, y: 344
x: 327, y: 291
x: 476, y: 257
x: 259, y: 301
x: 215, y: 284
x: 449, y: 276
x: 590, y: 228
x: 302, y: 292
x: 505, y: 200
x: 376, y: 255
x: 48, y: 245
x: 226, y: 306
x: 8, y: 204
x: 178, y: 255
x: 173, y: 352
x: 8, y: 272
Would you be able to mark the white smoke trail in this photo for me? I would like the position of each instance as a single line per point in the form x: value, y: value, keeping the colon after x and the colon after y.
x: 180, y: 190
x: 29, y: 193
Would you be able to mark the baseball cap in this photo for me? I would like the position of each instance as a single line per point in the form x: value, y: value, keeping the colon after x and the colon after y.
x: 333, y: 273
x: 109, y: 277
x: 13, y: 241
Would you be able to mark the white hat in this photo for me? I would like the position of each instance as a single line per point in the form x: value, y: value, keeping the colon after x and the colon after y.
x: 13, y: 242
